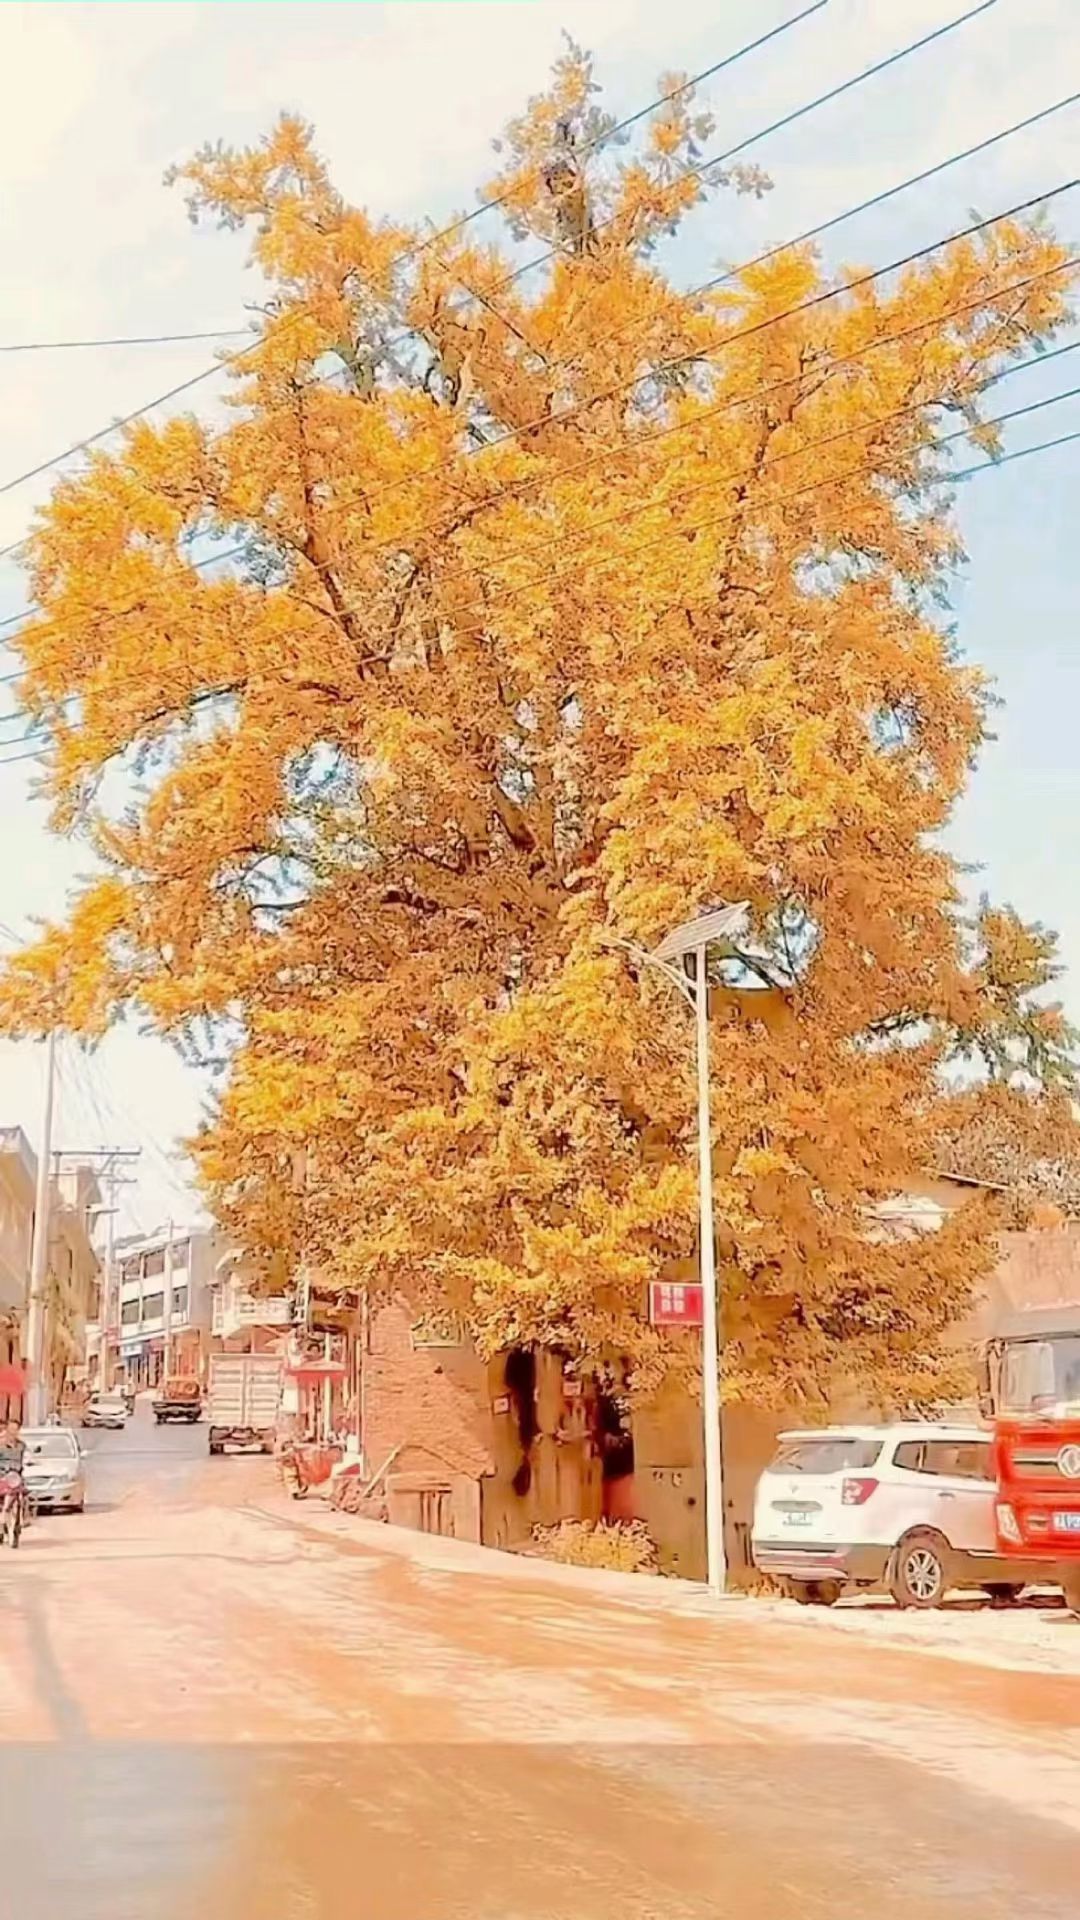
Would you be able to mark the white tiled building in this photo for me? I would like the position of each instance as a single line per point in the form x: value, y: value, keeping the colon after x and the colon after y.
x: 142, y: 1284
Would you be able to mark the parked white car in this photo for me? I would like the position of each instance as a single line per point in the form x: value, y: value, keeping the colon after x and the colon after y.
x: 909, y: 1507
x: 53, y: 1468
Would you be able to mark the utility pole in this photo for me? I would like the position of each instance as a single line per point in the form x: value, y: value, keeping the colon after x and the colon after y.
x: 36, y: 1408
x: 105, y: 1366
x: 107, y: 1164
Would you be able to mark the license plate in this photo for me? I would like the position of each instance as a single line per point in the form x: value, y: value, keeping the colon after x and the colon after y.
x: 1067, y: 1523
x: 803, y: 1519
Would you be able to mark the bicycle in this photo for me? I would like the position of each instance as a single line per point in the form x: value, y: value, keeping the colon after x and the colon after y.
x: 12, y: 1510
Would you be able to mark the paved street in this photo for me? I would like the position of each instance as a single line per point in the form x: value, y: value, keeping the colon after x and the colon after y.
x: 215, y: 1705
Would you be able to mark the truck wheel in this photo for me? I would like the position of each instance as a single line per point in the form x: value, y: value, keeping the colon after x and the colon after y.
x: 1071, y: 1587
x: 919, y: 1573
x: 216, y: 1446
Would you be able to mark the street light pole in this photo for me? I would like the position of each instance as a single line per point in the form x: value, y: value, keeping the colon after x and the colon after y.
x: 715, y: 1558
x: 692, y: 940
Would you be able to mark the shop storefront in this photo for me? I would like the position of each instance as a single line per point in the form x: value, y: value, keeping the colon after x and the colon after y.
x: 141, y: 1362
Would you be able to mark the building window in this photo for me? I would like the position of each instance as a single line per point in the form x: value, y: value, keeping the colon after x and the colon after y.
x: 153, y: 1306
x: 180, y: 1304
x: 154, y: 1262
x: 129, y: 1313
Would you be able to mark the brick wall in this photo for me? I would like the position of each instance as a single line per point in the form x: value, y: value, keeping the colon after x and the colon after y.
x: 429, y: 1401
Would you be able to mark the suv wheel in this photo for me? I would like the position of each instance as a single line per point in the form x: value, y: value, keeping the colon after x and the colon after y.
x: 1071, y: 1584
x: 919, y: 1573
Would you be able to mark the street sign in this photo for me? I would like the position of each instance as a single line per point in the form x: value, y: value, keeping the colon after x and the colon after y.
x: 675, y: 1303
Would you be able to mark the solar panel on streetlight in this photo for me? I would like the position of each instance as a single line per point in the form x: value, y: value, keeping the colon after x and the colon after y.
x: 718, y: 923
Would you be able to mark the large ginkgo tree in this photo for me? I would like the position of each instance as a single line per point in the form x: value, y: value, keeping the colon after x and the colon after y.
x: 507, y: 619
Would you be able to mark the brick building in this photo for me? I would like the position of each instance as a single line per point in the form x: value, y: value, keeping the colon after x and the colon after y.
x: 485, y: 1450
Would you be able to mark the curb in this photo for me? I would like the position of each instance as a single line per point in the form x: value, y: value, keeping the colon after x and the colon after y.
x: 438, y: 1553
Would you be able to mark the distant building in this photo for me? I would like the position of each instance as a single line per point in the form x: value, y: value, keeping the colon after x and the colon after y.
x: 141, y: 1284
x: 243, y: 1320
x: 72, y: 1268
x: 73, y: 1275
x: 18, y: 1176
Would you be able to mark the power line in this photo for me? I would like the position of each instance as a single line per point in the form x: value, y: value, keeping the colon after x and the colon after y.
x: 824, y: 226
x: 621, y: 126
x: 514, y: 489
x: 710, y: 348
x: 556, y: 577
x: 944, y: 479
x: 707, y: 286
x: 409, y: 252
x: 777, y: 126
x: 640, y: 442
x: 120, y: 340
x: 721, y: 342
x: 831, y: 480
x: 795, y: 453
x: 229, y: 333
x: 698, y: 169
x: 879, y: 199
x: 854, y: 359
x: 706, y: 351
x: 115, y: 426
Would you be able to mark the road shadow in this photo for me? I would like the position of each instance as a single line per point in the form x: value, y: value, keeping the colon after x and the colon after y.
x: 514, y: 1830
x: 25, y: 1603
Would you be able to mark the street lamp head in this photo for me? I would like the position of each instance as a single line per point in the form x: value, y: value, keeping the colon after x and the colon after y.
x: 716, y: 923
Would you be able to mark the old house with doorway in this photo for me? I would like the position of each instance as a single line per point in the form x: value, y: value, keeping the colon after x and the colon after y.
x: 485, y: 1450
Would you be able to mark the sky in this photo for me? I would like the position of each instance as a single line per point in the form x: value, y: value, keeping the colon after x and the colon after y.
x: 100, y: 99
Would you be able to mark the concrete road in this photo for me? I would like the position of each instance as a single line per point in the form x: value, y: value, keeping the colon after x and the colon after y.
x: 218, y: 1706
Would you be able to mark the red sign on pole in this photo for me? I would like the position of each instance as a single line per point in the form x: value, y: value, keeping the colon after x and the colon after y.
x: 675, y: 1303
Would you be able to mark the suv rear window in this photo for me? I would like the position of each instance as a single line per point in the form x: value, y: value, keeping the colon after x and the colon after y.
x: 831, y: 1454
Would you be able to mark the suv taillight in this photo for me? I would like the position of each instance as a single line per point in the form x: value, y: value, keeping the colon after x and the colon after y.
x: 855, y: 1492
x: 1008, y: 1525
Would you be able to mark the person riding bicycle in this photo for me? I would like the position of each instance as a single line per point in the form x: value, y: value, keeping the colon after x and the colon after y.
x: 13, y: 1501
x: 12, y: 1448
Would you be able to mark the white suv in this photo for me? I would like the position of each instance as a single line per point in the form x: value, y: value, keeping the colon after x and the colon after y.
x: 908, y: 1506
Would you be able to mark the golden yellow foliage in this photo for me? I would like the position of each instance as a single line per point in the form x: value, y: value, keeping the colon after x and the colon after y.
x: 618, y: 1546
x: 555, y: 607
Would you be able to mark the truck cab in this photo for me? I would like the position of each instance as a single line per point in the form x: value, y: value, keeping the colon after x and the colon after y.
x: 178, y: 1398
x: 1031, y: 1388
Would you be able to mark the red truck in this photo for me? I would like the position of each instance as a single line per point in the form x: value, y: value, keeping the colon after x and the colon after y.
x: 1031, y: 1388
